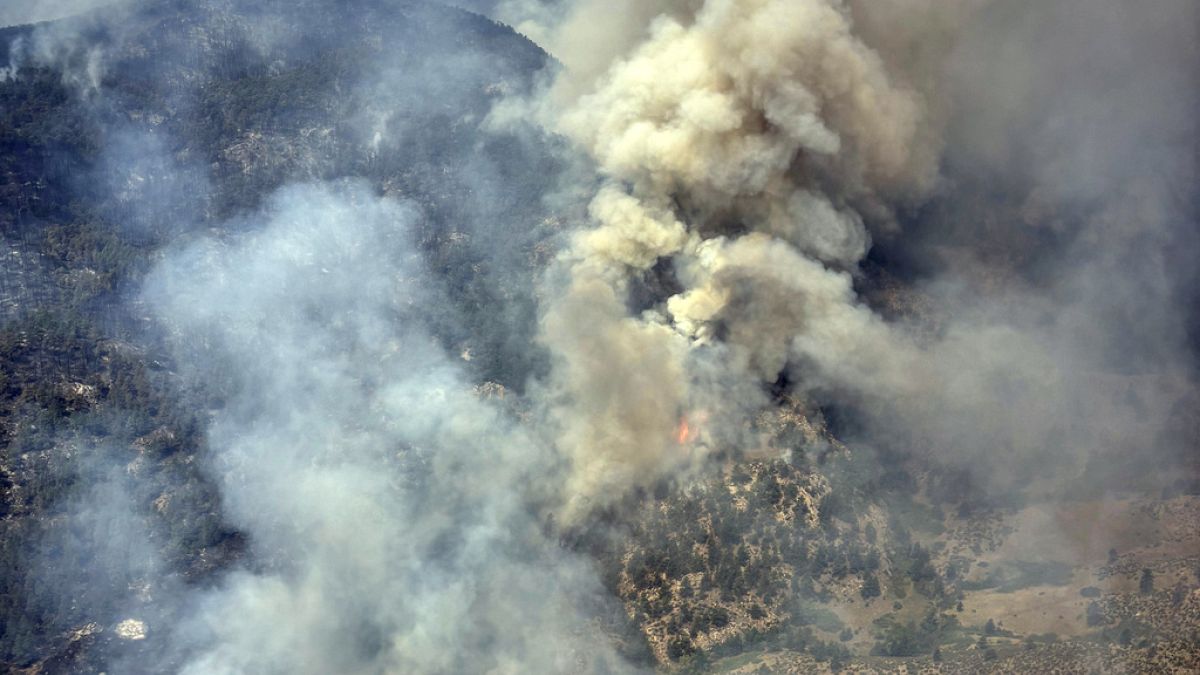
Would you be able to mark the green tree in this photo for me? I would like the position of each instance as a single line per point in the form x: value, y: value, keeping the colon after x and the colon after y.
x: 1178, y: 594
x: 1146, y: 585
x: 870, y: 587
x: 903, y: 640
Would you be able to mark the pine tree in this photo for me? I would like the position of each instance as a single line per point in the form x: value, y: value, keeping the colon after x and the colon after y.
x: 1146, y: 585
x: 870, y: 587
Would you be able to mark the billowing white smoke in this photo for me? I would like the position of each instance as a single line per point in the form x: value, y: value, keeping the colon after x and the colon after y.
x: 391, y: 508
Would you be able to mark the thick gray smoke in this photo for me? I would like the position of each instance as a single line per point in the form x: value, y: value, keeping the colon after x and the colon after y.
x: 710, y: 120
x: 1031, y: 184
x: 1057, y: 244
x: 761, y: 146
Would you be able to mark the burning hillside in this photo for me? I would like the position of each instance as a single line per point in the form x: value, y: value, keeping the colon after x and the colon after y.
x: 689, y: 335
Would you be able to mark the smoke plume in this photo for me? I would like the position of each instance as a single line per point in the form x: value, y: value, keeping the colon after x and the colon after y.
x: 754, y: 152
x: 771, y: 188
x: 391, y: 503
x: 742, y: 142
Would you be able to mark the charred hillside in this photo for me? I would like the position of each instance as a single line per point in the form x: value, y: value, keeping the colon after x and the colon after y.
x: 792, y: 336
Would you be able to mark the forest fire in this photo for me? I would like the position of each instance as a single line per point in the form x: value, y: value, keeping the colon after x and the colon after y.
x: 688, y: 431
x: 684, y: 433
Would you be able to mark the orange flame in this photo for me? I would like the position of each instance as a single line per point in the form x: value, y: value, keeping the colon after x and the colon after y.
x: 684, y: 433
x: 691, y: 426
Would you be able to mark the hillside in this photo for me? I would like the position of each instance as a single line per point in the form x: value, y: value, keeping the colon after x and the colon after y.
x: 195, y: 127
x: 324, y: 351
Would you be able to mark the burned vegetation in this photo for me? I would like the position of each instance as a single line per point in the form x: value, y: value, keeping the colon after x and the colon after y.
x: 743, y: 337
